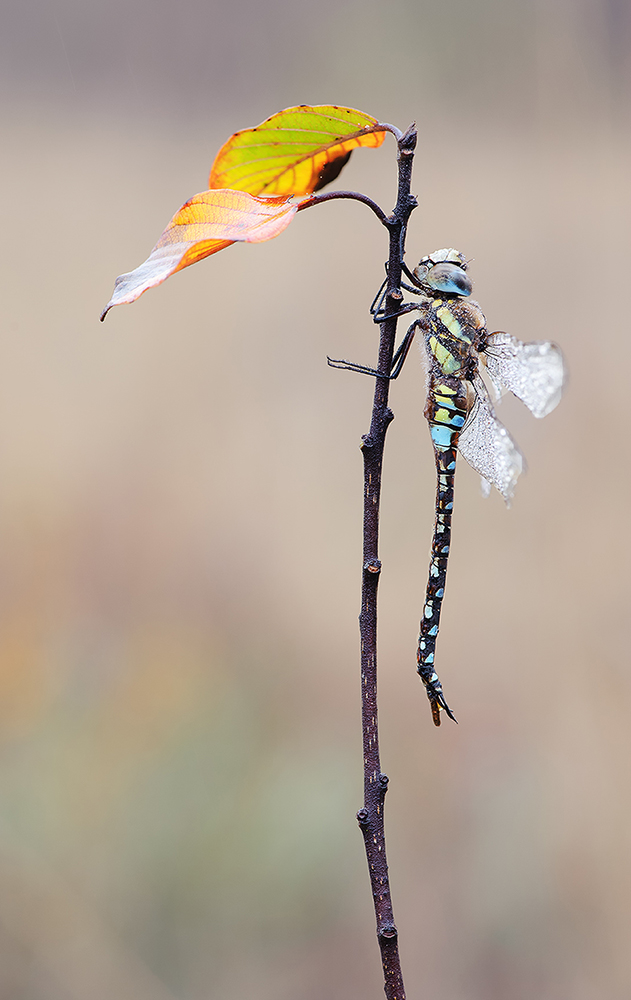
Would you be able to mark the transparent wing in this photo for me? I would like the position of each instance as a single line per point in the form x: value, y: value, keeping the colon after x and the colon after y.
x: 488, y: 447
x: 534, y: 372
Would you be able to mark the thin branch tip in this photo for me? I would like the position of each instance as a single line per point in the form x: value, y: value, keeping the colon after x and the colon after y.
x: 409, y: 137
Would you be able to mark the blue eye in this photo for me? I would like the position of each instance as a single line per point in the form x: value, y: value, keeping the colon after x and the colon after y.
x: 449, y: 278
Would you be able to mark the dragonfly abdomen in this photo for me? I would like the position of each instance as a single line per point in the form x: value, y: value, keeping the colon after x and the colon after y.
x: 446, y: 411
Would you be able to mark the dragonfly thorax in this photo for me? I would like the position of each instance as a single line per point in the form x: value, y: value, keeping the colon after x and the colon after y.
x: 444, y: 271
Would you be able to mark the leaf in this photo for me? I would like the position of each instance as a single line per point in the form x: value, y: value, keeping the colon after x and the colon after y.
x: 207, y: 223
x: 296, y: 151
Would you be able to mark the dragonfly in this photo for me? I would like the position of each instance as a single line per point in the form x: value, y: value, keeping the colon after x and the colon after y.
x: 460, y: 412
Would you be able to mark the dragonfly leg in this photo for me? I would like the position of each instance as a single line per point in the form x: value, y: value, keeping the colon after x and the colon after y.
x: 377, y: 304
x: 397, y: 361
x: 412, y: 278
x: 350, y: 366
x: 403, y: 350
x: 379, y: 317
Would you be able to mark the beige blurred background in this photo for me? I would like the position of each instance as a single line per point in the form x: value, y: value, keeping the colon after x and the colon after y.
x: 180, y: 504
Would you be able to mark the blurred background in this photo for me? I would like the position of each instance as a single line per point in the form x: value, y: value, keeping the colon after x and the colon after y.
x: 180, y: 515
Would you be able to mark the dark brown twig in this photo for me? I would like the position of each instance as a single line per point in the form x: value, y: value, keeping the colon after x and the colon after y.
x: 371, y: 815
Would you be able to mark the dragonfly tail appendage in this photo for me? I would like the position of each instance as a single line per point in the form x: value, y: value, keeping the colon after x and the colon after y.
x: 437, y: 703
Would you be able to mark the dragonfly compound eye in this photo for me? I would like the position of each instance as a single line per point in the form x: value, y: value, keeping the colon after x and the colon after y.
x: 449, y: 278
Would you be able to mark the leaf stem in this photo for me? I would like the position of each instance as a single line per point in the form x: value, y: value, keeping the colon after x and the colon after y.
x: 396, y: 132
x: 371, y: 815
x: 317, y: 199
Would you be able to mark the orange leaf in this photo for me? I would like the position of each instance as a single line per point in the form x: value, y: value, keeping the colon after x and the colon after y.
x: 207, y: 223
x: 296, y: 151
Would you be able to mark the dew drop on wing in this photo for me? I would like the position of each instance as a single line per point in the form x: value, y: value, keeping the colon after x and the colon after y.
x: 487, y: 446
x: 534, y: 372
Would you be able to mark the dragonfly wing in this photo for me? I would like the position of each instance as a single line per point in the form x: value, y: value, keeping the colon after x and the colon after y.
x: 488, y: 447
x: 534, y: 372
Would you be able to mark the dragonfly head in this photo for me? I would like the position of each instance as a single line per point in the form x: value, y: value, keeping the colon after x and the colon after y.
x: 444, y: 271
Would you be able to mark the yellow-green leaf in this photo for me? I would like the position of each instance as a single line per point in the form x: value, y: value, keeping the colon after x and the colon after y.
x: 296, y: 151
x: 207, y: 223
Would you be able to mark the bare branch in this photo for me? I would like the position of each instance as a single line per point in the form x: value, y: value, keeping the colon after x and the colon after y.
x: 371, y: 815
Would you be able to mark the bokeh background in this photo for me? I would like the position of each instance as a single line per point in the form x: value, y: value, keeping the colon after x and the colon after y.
x: 180, y: 505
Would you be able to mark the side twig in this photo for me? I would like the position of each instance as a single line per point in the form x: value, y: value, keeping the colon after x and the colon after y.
x: 318, y: 199
x: 371, y: 815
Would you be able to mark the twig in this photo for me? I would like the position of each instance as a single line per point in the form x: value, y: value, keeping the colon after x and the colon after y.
x: 317, y: 199
x: 371, y: 815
